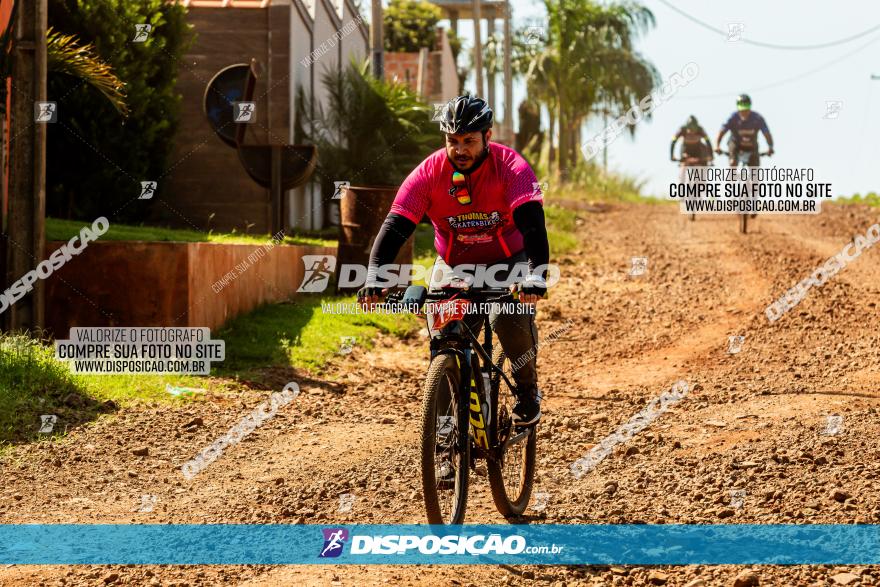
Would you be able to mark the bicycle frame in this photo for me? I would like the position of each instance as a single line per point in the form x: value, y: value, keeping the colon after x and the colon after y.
x: 456, y: 338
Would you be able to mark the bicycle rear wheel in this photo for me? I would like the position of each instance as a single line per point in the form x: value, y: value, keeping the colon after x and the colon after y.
x: 445, y: 443
x: 512, y: 475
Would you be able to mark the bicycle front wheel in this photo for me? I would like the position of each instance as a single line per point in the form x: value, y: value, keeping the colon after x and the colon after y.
x: 512, y: 474
x: 445, y: 443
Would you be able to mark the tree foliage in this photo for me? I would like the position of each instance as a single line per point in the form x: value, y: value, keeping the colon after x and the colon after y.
x: 587, y: 64
x: 410, y: 25
x: 368, y: 132
x: 98, y: 157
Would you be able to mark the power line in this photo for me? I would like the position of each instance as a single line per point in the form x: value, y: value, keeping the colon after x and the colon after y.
x: 790, y: 79
x: 771, y: 45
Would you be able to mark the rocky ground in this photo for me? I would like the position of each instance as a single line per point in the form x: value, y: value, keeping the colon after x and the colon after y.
x: 783, y: 431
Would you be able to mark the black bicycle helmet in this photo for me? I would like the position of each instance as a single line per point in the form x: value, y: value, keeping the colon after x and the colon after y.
x: 743, y: 100
x: 466, y: 114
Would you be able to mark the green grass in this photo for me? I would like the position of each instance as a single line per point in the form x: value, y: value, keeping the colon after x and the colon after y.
x: 561, y: 224
x: 34, y: 383
x: 62, y: 230
x: 871, y: 199
x: 300, y: 334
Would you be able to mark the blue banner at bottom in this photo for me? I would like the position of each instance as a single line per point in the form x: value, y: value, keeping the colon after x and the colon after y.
x: 227, y: 544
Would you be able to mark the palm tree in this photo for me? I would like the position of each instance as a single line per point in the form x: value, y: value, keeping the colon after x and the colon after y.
x: 66, y: 56
x: 589, y: 65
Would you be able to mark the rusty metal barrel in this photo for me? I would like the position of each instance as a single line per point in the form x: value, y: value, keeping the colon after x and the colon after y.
x: 362, y: 210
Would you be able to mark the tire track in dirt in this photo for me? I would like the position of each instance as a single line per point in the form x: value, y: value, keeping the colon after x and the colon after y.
x: 753, y: 421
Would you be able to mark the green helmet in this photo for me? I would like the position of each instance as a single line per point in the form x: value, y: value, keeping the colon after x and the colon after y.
x: 743, y: 102
x: 692, y: 123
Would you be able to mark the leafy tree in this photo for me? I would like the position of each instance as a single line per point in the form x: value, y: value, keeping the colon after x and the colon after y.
x: 588, y: 65
x: 529, y: 134
x: 97, y: 157
x: 368, y: 131
x: 409, y: 25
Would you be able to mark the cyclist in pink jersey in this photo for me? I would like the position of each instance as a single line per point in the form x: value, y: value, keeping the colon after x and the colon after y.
x: 487, y: 209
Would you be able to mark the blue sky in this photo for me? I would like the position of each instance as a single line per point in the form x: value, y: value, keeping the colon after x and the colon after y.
x: 789, y: 88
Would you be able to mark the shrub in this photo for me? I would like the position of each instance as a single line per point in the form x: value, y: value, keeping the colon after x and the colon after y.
x: 97, y: 159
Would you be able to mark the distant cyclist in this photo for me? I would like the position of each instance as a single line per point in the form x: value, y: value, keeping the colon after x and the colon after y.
x: 695, y: 141
x: 482, y: 199
x: 744, y: 125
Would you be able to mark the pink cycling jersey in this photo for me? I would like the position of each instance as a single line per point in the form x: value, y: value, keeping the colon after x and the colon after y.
x: 483, y: 230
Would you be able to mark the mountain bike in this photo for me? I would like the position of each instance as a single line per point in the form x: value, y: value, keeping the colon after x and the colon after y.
x: 742, y: 160
x: 466, y: 411
x: 691, y: 161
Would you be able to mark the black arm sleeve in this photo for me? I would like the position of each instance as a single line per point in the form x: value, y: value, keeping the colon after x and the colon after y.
x: 529, y: 220
x: 393, y: 234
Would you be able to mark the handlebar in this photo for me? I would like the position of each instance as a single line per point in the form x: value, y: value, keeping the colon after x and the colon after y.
x: 761, y: 154
x: 418, y: 295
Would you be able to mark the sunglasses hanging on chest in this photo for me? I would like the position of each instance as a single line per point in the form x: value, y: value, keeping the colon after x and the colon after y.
x: 459, y: 188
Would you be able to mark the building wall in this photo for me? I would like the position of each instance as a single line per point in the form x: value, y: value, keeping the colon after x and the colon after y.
x: 441, y: 84
x: 208, y: 178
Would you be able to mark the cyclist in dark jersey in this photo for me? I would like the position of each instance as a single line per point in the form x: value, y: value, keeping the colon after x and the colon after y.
x: 695, y: 141
x: 744, y: 125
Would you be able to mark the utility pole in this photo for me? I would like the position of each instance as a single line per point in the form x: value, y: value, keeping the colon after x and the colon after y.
x: 27, y: 182
x: 378, y: 40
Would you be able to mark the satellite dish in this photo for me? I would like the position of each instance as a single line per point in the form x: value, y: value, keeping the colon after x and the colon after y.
x: 234, y: 83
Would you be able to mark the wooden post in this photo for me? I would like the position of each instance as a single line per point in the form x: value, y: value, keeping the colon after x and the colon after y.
x: 490, y: 74
x: 478, y: 49
x: 377, y: 40
x: 508, y: 75
x: 27, y: 185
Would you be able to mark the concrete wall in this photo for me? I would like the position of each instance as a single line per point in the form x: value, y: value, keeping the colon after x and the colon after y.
x: 168, y: 284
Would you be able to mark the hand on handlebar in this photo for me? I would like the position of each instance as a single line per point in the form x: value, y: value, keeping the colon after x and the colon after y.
x: 367, y: 297
x: 718, y: 151
x: 529, y: 291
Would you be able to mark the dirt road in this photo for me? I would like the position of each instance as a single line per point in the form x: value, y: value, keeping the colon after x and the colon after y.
x: 752, y: 442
